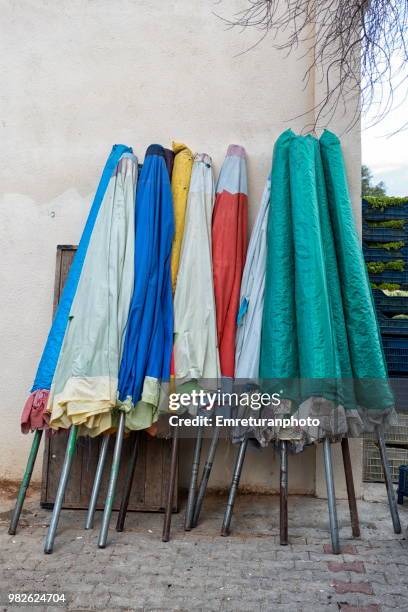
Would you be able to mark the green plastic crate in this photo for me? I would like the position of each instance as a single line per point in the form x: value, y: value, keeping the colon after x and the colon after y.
x: 396, y: 434
x: 372, y: 468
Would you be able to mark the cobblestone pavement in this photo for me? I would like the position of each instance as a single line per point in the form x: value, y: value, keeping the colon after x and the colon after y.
x: 202, y: 571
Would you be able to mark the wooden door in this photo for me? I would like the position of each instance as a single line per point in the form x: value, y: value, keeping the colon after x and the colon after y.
x: 149, y: 491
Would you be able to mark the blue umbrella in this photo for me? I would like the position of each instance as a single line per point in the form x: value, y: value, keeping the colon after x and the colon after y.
x: 149, y: 334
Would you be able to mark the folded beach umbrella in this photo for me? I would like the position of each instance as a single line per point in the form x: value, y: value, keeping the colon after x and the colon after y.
x: 195, y: 332
x: 320, y: 341
x: 374, y: 398
x: 66, y: 352
x: 180, y: 183
x: 229, y: 245
x: 249, y: 320
x: 169, y: 159
x: 145, y: 368
x: 34, y: 413
x: 278, y: 327
x: 149, y: 332
x: 85, y: 385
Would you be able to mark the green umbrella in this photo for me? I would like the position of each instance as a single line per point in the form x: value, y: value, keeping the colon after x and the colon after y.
x: 321, y: 346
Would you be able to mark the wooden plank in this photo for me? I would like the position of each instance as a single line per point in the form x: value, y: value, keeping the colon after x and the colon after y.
x: 51, y: 464
x: 57, y: 282
x: 55, y: 456
x: 90, y: 454
x: 165, y: 471
x: 154, y: 465
x: 138, y: 488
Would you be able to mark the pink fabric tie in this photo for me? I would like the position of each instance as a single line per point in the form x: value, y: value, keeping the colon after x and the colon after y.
x: 34, y: 414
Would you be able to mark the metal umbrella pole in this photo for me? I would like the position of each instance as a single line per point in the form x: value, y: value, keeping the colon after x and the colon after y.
x: 89, y: 521
x: 283, y: 516
x: 392, y: 502
x: 110, y: 496
x: 170, y: 492
x: 193, y: 480
x: 348, y: 471
x: 62, y: 485
x: 25, y: 483
x: 120, y: 523
x: 206, y: 475
x: 225, y: 529
x: 331, y: 497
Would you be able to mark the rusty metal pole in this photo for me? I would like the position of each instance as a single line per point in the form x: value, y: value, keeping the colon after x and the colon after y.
x: 348, y: 471
x: 206, y: 475
x: 191, y: 501
x: 172, y: 482
x: 120, y: 523
x: 388, y: 483
x: 25, y: 483
x: 283, y: 518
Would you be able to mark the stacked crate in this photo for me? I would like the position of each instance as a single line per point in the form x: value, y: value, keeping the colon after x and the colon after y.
x: 385, y: 247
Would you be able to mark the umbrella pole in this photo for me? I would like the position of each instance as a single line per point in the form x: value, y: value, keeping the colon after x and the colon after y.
x: 283, y: 517
x: 89, y: 522
x: 25, y: 483
x: 348, y: 471
x: 388, y: 483
x: 193, y: 481
x: 62, y: 485
x: 205, y: 476
x: 331, y: 497
x: 225, y: 529
x: 128, y: 483
x: 170, y: 492
x: 110, y: 496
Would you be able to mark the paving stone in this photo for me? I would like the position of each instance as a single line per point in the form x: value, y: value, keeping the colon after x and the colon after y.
x: 371, y: 608
x: 354, y: 566
x: 352, y: 587
x: 348, y: 549
x: 200, y: 570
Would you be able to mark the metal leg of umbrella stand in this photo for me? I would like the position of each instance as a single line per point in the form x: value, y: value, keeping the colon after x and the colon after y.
x: 225, y: 529
x: 205, y: 476
x: 89, y: 521
x: 128, y: 482
x: 25, y: 483
x: 331, y: 497
x: 283, y: 517
x: 110, y: 496
x: 193, y: 481
x: 392, y: 502
x: 170, y: 492
x: 62, y: 485
x: 348, y: 471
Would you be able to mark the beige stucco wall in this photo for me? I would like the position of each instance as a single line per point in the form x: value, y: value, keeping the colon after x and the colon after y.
x: 78, y: 76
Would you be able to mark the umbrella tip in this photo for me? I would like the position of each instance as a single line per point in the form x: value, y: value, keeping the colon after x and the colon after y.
x: 237, y: 150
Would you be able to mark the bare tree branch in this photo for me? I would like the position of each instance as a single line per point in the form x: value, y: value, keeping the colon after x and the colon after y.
x: 359, y: 48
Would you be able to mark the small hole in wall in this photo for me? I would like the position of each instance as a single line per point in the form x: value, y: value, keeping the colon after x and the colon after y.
x: 52, y: 214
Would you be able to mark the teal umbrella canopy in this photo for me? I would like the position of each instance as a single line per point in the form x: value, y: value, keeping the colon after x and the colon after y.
x: 320, y: 344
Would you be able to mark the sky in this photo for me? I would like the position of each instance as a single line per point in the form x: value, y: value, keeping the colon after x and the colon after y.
x: 386, y: 152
